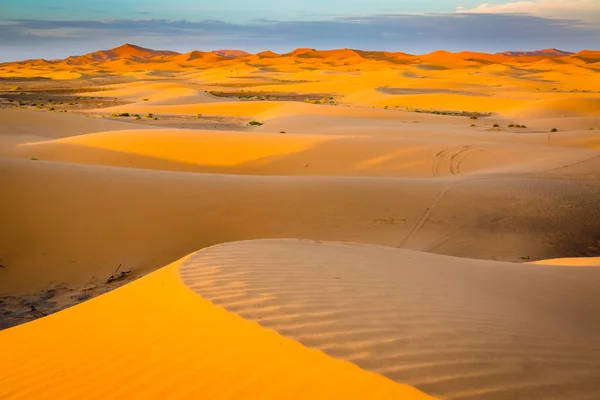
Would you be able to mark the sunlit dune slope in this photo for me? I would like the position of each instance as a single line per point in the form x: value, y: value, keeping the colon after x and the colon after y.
x: 578, y: 261
x: 573, y: 107
x: 155, y: 338
x: 303, y: 154
x: 455, y: 328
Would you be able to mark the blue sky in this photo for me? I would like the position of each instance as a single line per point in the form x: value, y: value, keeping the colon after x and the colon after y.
x: 52, y: 29
x: 238, y: 11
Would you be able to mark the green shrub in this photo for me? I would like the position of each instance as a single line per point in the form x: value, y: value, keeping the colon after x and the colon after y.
x: 123, y: 115
x: 553, y: 130
x: 474, y: 117
x: 255, y: 123
x: 496, y: 126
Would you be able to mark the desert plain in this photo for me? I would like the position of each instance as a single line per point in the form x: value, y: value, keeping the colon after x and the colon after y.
x: 316, y: 224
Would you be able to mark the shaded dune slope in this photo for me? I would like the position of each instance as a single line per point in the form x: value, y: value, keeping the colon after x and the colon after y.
x: 128, y: 216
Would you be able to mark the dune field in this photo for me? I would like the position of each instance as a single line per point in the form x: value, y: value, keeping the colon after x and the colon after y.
x: 316, y: 224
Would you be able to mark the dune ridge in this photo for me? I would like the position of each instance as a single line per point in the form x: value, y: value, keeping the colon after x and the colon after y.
x: 455, y: 328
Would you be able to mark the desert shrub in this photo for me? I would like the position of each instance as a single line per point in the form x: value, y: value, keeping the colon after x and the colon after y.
x: 123, y: 115
x: 155, y: 118
x: 496, y: 126
x: 199, y: 116
x: 553, y: 130
x: 138, y: 117
x: 282, y: 132
x: 474, y: 117
x: 51, y: 109
x: 255, y: 123
x: 472, y: 125
x: 150, y: 115
x: 34, y: 159
x: 511, y: 126
x: 145, y: 99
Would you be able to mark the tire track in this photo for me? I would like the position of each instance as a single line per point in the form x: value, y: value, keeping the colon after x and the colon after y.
x: 425, y: 216
x: 458, y: 158
x: 454, y: 156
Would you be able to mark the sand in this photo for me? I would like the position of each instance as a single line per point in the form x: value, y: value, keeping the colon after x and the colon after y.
x: 383, y: 230
x: 140, y: 342
x: 453, y: 327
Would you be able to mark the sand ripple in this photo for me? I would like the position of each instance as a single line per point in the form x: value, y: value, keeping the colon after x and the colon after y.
x: 454, y: 328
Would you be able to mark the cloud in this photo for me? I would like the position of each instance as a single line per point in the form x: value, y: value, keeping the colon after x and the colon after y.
x: 488, y: 32
x: 587, y: 11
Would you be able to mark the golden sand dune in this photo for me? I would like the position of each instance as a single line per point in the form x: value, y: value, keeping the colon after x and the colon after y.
x: 116, y: 163
x: 256, y: 153
x: 155, y: 338
x: 455, y: 328
x: 578, y: 261
x: 565, y: 107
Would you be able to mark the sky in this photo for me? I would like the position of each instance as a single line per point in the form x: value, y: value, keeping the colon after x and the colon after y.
x: 56, y: 29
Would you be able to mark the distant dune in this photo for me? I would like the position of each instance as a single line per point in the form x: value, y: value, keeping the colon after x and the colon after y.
x: 134, y: 52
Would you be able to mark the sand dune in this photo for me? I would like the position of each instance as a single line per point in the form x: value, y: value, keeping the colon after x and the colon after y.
x: 302, y: 228
x: 578, y: 261
x: 298, y: 154
x: 455, y: 328
x: 155, y: 338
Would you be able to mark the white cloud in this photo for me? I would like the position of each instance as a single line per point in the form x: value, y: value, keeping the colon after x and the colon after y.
x: 587, y: 11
